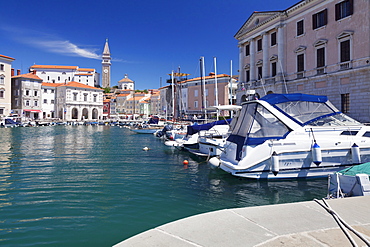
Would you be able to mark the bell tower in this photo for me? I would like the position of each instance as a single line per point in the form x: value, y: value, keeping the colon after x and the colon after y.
x: 106, y: 65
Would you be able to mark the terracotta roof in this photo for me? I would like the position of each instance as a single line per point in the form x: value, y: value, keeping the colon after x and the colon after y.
x: 136, y: 98
x: 79, y: 85
x: 52, y: 67
x: 126, y: 79
x: 28, y: 76
x: 123, y: 94
x: 106, y: 100
x: 83, y: 74
x: 48, y: 84
x: 85, y: 69
x: 7, y: 57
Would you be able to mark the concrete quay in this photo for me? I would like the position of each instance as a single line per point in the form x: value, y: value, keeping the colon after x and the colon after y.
x: 292, y: 224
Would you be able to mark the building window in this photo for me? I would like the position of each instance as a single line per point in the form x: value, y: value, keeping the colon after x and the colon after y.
x: 58, y: 78
x: 52, y: 101
x: 2, y: 94
x: 52, y: 90
x: 45, y: 90
x: 195, y: 104
x: 320, y: 57
x: 300, y: 27
x: 27, y: 103
x: 247, y: 75
x: 273, y: 69
x: 320, y: 19
x: 259, y: 45
x: 45, y: 101
x: 259, y: 72
x: 36, y: 103
x: 345, y: 51
x: 300, y: 63
x: 196, y: 93
x: 85, y: 97
x: 273, y: 39
x: 35, y: 93
x: 74, y: 96
x: 247, y: 51
x: 344, y: 99
x: 27, y: 92
x: 94, y: 98
x: 1, y: 111
x: 2, y: 67
x: 2, y: 80
x: 343, y: 9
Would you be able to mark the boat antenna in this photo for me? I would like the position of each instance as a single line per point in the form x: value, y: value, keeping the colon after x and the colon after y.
x: 282, y: 73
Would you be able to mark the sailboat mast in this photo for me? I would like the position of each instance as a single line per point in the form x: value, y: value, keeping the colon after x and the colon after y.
x: 230, y: 85
x: 173, y: 96
x: 204, y: 90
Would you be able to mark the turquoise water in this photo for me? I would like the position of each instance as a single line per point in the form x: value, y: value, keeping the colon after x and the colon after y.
x: 94, y: 186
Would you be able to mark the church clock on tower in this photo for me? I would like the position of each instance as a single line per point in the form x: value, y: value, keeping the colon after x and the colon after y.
x: 106, y: 64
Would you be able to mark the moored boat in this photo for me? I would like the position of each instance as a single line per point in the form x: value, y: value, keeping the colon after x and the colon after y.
x: 293, y: 136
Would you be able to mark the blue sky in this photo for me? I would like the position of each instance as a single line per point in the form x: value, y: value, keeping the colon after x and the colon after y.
x: 147, y: 39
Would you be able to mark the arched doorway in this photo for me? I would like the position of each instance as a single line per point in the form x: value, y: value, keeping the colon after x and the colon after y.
x: 74, y: 113
x: 85, y: 114
x: 94, y: 113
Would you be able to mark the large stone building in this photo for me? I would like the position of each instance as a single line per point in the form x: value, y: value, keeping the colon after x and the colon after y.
x: 26, y: 95
x: 76, y: 101
x: 126, y: 83
x: 5, y: 84
x: 315, y: 46
x: 62, y: 74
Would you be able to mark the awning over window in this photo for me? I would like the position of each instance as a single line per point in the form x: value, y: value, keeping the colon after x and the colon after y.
x: 32, y: 110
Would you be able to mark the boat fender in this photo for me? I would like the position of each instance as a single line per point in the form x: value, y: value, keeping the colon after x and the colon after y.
x: 214, y: 162
x: 355, y: 151
x: 316, y: 154
x: 275, y: 163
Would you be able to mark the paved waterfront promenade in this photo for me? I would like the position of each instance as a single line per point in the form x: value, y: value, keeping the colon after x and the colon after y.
x: 293, y: 224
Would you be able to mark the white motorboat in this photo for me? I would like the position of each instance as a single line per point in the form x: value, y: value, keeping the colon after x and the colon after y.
x: 292, y: 136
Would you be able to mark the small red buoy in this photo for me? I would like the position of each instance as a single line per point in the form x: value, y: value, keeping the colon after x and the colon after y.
x: 185, y: 162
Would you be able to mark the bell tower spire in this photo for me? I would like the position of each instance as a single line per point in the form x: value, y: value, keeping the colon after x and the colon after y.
x: 106, y: 64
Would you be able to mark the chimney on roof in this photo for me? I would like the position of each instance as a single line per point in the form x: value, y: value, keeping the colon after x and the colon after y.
x: 18, y: 71
x: 34, y: 72
x: 211, y: 74
x: 12, y: 72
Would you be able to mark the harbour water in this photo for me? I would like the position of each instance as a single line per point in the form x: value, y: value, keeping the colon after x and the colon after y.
x: 94, y: 186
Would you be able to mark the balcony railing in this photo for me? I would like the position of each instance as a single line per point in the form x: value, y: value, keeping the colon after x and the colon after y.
x: 345, y: 65
x: 300, y: 75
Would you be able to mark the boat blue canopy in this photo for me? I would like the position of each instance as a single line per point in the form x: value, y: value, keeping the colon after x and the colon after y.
x: 193, y: 129
x: 275, y: 98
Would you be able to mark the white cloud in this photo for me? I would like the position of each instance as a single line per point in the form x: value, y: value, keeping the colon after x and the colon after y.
x: 66, y: 48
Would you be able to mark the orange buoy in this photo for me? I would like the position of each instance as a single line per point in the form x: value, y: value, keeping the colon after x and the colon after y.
x: 185, y: 162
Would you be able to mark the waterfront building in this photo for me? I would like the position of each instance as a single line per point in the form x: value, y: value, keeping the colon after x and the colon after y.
x: 315, y: 46
x: 126, y: 83
x: 76, y: 101
x: 48, y: 92
x: 106, y: 64
x: 26, y: 95
x: 121, y: 100
x: 201, y: 92
x: 155, y: 102
x: 132, y: 105
x: 5, y: 84
x: 62, y: 74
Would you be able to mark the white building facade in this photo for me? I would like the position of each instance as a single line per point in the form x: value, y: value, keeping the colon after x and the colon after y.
x: 5, y: 84
x: 48, y: 92
x: 79, y: 102
x: 62, y: 74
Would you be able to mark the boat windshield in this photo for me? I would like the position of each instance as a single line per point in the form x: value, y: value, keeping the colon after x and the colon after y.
x: 258, y: 124
x: 315, y: 113
x: 335, y: 120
